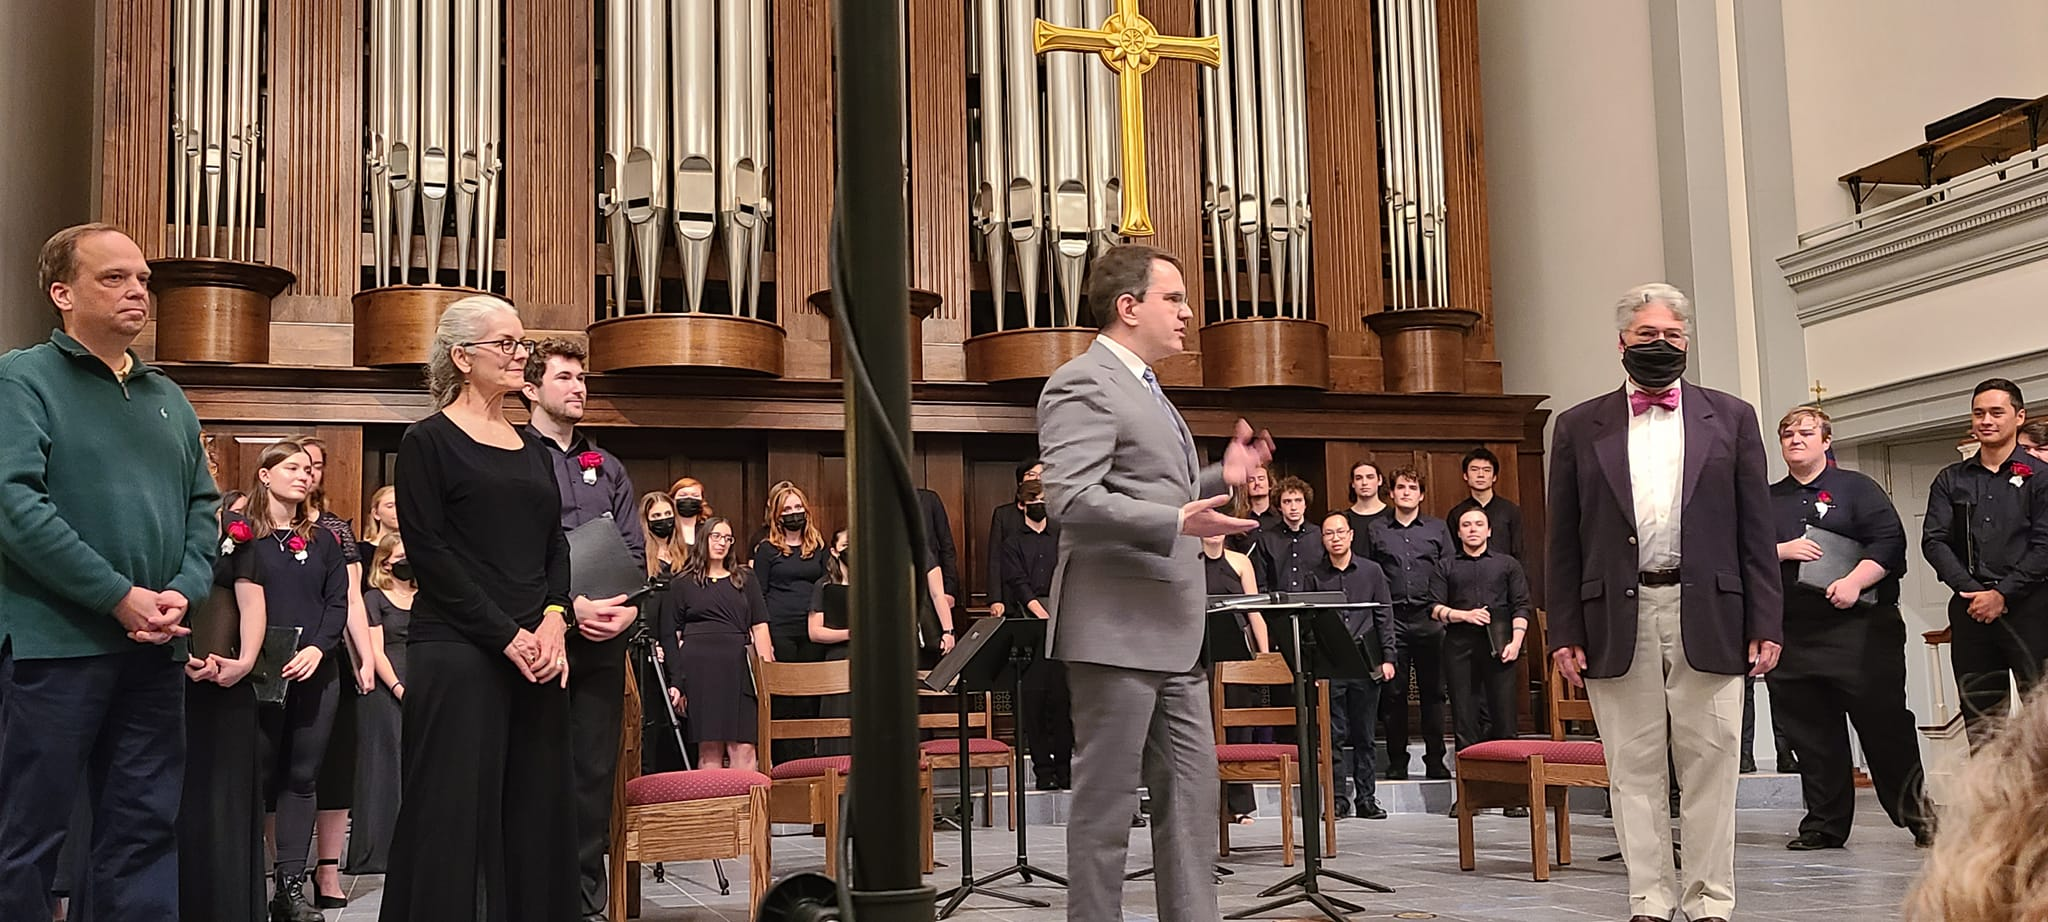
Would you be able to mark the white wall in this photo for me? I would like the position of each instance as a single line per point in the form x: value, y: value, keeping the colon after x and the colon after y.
x: 47, y: 79
x: 1571, y: 181
x: 1865, y: 76
x: 1991, y: 317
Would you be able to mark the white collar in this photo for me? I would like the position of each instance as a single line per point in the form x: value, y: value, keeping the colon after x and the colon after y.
x: 1125, y: 355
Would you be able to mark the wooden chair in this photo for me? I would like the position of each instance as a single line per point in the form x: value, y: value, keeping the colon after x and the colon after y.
x: 1534, y: 773
x: 682, y: 816
x: 808, y: 790
x: 985, y: 753
x: 1250, y: 762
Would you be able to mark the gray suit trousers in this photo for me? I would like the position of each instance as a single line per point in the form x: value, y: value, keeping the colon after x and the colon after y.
x: 1113, y: 708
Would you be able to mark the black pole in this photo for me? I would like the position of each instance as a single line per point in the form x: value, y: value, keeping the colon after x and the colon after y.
x: 886, y: 877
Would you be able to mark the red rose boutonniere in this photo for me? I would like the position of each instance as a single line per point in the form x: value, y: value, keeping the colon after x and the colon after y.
x: 297, y: 545
x: 590, y: 461
x: 1822, y: 504
x: 238, y: 532
x: 2020, y: 473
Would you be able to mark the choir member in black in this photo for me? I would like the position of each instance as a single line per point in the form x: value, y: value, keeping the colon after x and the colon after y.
x: 235, y: 501
x: 789, y: 564
x: 486, y: 824
x: 305, y: 586
x: 691, y: 509
x: 1367, y: 504
x: 337, y: 784
x: 2033, y: 439
x: 1002, y: 523
x: 1028, y: 561
x: 1986, y: 535
x: 1290, y: 547
x: 594, y: 486
x: 938, y: 530
x: 832, y: 639
x: 220, y: 822
x: 1481, y: 584
x: 723, y: 615
x: 1227, y: 572
x: 383, y: 522
x: 1254, y: 500
x: 1481, y: 470
x: 1355, y: 703
x: 1410, y: 547
x: 378, y: 766
x: 1842, y: 659
x: 662, y: 535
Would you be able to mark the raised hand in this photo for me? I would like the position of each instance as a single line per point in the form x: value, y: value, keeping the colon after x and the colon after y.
x: 1202, y: 519
x: 1245, y: 452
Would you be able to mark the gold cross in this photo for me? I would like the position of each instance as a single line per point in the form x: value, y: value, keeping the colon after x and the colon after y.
x: 1130, y: 46
x: 1817, y: 391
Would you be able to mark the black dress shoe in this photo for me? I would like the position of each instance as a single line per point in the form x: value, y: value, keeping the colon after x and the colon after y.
x: 1516, y: 813
x: 1435, y: 771
x: 1371, y: 810
x: 1748, y: 766
x: 1398, y: 772
x: 1812, y: 842
x: 1342, y: 808
x: 1788, y: 765
x: 289, y: 903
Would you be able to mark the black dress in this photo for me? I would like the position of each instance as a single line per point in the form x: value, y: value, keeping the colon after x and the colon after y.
x: 377, y: 747
x: 486, y: 825
x: 338, y: 770
x: 717, y: 619
x: 220, y: 822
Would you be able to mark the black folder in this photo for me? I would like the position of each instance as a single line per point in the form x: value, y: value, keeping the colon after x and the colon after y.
x: 1500, y: 631
x: 1839, y: 555
x: 600, y: 565
x: 280, y: 644
x: 216, y: 624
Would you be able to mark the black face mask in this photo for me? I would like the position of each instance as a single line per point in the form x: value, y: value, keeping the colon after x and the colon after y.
x: 689, y: 506
x: 1654, y: 365
x: 846, y: 556
x: 662, y: 528
x: 794, y: 521
x: 402, y: 571
x: 1034, y: 511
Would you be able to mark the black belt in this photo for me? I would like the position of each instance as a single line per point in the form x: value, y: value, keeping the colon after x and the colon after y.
x: 1658, y: 577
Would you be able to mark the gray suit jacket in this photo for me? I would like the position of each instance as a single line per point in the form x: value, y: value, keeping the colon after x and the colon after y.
x: 1128, y: 589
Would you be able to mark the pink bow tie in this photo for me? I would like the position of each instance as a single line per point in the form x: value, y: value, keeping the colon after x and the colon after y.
x: 1640, y: 402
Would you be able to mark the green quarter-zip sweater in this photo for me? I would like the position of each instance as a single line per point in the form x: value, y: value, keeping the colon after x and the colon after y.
x: 103, y: 487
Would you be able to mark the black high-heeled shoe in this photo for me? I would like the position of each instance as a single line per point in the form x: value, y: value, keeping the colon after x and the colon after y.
x: 322, y: 900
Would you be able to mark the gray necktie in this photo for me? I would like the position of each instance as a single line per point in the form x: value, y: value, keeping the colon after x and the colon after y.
x: 1187, y: 442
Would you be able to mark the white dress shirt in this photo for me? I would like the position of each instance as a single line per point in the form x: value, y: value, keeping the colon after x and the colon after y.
x: 1125, y: 355
x: 1656, y: 469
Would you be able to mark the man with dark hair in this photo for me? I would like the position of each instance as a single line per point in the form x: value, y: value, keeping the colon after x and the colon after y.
x: 1355, y: 703
x: 1029, y: 556
x: 1481, y: 586
x: 1367, y: 505
x: 96, y: 573
x: 1481, y: 470
x: 1005, y: 521
x: 2034, y: 438
x: 1986, y: 535
x: 1290, y: 547
x: 594, y: 485
x: 1410, y: 547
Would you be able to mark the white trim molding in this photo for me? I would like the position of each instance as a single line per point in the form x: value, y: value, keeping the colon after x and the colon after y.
x: 1961, y: 238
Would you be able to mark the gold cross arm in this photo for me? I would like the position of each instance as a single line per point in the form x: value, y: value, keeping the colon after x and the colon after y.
x: 1131, y: 46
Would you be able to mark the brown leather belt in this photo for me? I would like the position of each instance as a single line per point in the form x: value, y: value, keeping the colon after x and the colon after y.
x: 1658, y: 577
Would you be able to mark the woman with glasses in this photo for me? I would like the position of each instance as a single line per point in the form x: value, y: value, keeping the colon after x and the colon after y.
x: 486, y: 827
x: 717, y: 600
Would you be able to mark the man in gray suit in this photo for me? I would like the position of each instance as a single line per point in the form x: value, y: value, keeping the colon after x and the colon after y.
x: 1123, y: 479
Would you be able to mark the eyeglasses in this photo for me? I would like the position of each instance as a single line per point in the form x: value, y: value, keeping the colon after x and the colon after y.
x: 1642, y: 335
x: 1172, y: 297
x: 725, y: 538
x: 506, y: 346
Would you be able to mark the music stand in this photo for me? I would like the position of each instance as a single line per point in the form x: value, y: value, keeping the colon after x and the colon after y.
x: 994, y: 649
x: 1322, y: 649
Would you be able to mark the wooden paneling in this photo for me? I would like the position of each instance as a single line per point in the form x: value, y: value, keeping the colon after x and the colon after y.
x: 1173, y: 136
x: 803, y: 175
x: 1464, y: 170
x: 135, y: 119
x: 550, y: 162
x: 1344, y: 179
x: 313, y: 155
x: 239, y: 449
x: 938, y: 172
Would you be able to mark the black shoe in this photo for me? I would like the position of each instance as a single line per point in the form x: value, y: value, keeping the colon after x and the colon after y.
x: 1435, y: 771
x: 1371, y: 810
x: 1749, y: 765
x: 1812, y: 842
x: 1342, y: 808
x: 595, y: 917
x: 322, y: 900
x: 1788, y: 765
x: 1046, y: 783
x: 1397, y: 771
x: 1516, y: 813
x: 290, y: 904
x: 1923, y: 838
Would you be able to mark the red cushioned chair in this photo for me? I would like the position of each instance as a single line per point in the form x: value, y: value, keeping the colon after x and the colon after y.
x: 1534, y: 773
x: 985, y: 753
x: 807, y: 791
x: 682, y: 816
x: 1249, y: 762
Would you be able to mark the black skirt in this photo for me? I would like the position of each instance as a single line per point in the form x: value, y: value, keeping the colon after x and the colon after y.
x: 220, y: 823
x: 719, y: 688
x: 375, y: 811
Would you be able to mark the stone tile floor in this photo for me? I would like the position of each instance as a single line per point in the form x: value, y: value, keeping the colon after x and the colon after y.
x: 1415, y: 853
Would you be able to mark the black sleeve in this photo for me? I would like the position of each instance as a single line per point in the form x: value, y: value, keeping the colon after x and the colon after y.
x: 333, y: 594
x: 2032, y: 568
x: 1514, y: 520
x: 430, y: 544
x: 1938, y: 532
x: 373, y: 607
x: 997, y: 583
x: 940, y: 532
x: 668, y: 629
x: 757, y: 603
x: 243, y: 565
x: 1383, y: 617
x: 818, y: 595
x: 622, y: 510
x: 1017, y: 589
x: 1518, y: 593
x: 1884, y: 537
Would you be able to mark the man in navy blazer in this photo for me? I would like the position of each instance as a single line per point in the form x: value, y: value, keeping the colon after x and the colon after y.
x: 1664, y: 593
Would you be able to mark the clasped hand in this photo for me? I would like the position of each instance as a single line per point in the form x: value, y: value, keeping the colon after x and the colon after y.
x: 603, y: 619
x: 152, y: 617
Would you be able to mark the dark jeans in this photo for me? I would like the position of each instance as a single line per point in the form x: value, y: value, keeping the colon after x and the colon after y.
x: 294, y: 747
x: 1049, y: 721
x: 1987, y: 657
x: 597, y: 691
x: 1421, y: 655
x: 1482, y: 687
x: 114, y: 724
x: 1353, y: 705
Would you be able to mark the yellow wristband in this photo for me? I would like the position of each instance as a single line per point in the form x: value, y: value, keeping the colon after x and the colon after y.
x: 555, y: 610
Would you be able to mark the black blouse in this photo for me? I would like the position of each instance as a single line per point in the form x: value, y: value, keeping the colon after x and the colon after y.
x: 786, y: 581
x: 1856, y: 508
x: 397, y: 625
x: 483, y: 532
x: 309, y: 594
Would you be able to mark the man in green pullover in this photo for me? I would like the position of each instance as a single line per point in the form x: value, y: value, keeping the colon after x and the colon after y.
x: 107, y: 535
